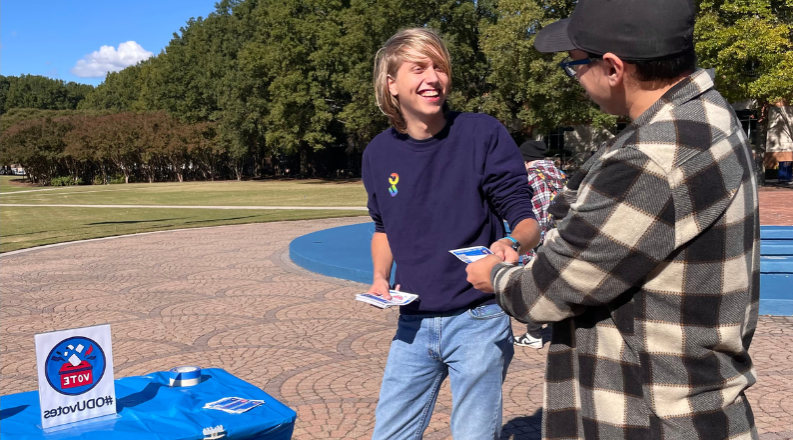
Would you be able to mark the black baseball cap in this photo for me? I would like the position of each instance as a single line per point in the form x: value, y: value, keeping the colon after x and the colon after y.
x: 533, y: 150
x: 634, y: 30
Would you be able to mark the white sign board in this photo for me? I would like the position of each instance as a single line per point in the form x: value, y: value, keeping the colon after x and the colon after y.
x: 75, y: 375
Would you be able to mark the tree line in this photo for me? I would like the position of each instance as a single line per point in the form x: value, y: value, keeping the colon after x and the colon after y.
x: 93, y: 148
x: 266, y: 85
x: 33, y: 91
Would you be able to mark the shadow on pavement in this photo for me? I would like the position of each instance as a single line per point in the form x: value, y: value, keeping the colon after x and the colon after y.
x: 523, y: 428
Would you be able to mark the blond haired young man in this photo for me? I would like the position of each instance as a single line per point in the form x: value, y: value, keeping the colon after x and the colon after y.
x: 439, y: 180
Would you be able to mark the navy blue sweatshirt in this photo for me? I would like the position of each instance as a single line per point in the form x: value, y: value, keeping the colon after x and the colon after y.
x: 446, y: 192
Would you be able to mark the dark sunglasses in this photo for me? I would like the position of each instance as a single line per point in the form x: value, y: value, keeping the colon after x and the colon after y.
x: 569, y: 68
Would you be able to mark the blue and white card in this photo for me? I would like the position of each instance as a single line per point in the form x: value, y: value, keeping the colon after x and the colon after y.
x: 471, y: 254
x: 397, y: 299
x: 234, y: 405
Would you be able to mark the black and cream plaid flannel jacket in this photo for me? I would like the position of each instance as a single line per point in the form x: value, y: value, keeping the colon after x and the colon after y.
x: 651, y: 279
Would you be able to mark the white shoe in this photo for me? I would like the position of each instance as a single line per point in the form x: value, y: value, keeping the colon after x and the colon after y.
x: 529, y: 340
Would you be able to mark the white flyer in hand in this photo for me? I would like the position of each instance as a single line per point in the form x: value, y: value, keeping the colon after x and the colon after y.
x: 397, y: 299
x: 471, y: 254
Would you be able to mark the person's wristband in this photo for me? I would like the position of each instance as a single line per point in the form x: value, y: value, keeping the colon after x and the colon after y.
x: 515, y: 243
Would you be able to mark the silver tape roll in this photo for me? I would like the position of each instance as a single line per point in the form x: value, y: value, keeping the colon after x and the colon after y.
x: 186, y: 376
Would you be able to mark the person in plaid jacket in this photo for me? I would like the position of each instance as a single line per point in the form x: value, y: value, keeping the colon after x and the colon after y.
x: 545, y: 181
x: 651, y: 277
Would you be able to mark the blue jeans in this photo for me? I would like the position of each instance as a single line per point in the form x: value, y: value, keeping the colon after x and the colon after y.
x: 472, y: 347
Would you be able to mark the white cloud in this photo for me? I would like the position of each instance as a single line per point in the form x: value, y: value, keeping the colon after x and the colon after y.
x: 108, y: 59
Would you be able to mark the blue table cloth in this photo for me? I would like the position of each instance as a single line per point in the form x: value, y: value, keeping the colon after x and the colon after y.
x: 149, y: 409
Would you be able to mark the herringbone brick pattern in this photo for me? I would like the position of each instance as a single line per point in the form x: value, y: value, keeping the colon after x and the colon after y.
x: 229, y: 297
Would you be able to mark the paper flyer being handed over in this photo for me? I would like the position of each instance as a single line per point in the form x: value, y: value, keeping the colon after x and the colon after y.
x: 471, y: 254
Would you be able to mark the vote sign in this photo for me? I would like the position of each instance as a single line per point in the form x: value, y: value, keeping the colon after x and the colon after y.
x: 75, y: 369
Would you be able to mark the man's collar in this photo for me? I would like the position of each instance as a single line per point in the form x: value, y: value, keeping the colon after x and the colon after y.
x: 685, y: 90
x: 688, y: 88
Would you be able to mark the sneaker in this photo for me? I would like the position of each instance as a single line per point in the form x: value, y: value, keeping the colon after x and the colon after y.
x: 529, y: 340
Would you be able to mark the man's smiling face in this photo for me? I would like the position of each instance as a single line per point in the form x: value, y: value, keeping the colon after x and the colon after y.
x: 420, y: 86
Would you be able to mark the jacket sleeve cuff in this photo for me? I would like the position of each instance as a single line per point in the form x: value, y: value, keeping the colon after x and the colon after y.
x: 506, y: 280
x: 494, y: 276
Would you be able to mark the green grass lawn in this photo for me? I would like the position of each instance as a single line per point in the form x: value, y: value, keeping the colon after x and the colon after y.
x: 12, y: 183
x: 24, y: 227
x: 252, y: 193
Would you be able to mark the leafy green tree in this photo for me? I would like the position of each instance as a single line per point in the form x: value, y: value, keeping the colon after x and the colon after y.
x: 40, y: 92
x: 15, y: 115
x: 461, y: 24
x: 187, y: 78
x: 81, y: 155
x: 120, y: 91
x: 530, y: 92
x: 203, y: 147
x: 76, y: 93
x: 197, y: 78
x: 284, y: 60
x: 145, y: 145
x: 5, y: 86
x: 749, y: 43
x: 243, y: 98
x: 38, y: 145
x: 115, y: 136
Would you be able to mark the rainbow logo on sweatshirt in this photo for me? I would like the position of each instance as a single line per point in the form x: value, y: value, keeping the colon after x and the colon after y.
x: 393, y: 180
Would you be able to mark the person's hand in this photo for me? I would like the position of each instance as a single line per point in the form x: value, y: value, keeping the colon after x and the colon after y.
x: 380, y: 287
x: 503, y: 249
x: 479, y: 272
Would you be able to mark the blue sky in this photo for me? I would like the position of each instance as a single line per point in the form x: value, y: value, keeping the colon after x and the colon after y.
x: 49, y: 37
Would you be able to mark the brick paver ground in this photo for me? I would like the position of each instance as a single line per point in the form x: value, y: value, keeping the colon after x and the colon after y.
x: 229, y: 297
x: 776, y: 206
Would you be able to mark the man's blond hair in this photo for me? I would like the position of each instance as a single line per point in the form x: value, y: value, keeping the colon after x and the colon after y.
x: 425, y: 42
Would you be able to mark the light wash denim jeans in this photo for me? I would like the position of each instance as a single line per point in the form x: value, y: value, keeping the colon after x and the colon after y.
x: 472, y: 347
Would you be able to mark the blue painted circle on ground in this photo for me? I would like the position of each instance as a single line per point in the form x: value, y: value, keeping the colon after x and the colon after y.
x: 345, y: 252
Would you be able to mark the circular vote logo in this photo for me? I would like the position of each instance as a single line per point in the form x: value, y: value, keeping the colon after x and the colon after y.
x: 75, y: 366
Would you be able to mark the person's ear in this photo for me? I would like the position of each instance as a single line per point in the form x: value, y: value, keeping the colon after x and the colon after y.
x: 614, y: 69
x: 392, y: 85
